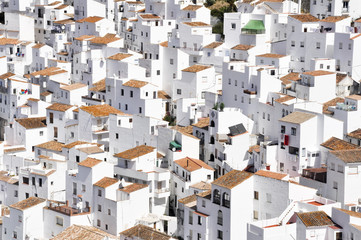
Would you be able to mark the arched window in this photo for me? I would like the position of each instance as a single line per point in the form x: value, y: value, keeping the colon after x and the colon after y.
x: 220, y: 218
x: 216, y: 197
x: 212, y: 140
x: 212, y: 123
x: 226, y: 200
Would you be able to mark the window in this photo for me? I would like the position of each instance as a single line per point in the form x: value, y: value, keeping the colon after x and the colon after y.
x: 131, y: 93
x: 318, y: 45
x: 20, y: 218
x: 190, y: 218
x: 15, y: 193
x: 99, y: 208
x: 25, y: 180
x: 140, y: 110
x: 59, y: 221
x: 99, y: 193
x: 203, y: 203
x: 269, y: 197
x: 293, y: 43
x: 199, y: 220
x: 340, y: 168
x: 122, y: 92
x: 293, y: 150
x: 293, y: 131
x: 40, y: 182
x: 83, y: 188
x: 216, y: 197
x: 220, y: 218
x: 179, y: 91
x: 233, y: 25
x: 226, y: 200
x: 98, y: 223
x: 171, y: 61
x: 41, y: 133
x: 335, y: 185
x: 340, y: 45
x: 283, y: 129
x: 255, y: 215
x: 255, y: 194
x: 219, y: 234
x: 15, y: 235
x: 116, y: 136
x: 51, y: 117
x: 77, y: 159
x: 332, y: 167
x: 302, y: 44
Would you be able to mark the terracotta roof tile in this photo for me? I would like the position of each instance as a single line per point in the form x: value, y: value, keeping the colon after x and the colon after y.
x: 100, y: 110
x: 163, y: 95
x: 192, y: 164
x: 13, y: 150
x: 7, y: 75
x: 297, y: 117
x: 334, y: 18
x: 338, y: 144
x: 284, y: 99
x: 340, y: 77
x: 149, y: 16
x: 135, y: 84
x: 242, y: 47
x: 256, y: 148
x: 109, y: 38
x: 33, y: 99
x: 31, y: 123
x: 98, y: 86
x: 192, y: 7
x: 84, y: 37
x: 27, y: 203
x: 45, y: 93
x: 269, y: 174
x: 318, y: 73
x: 271, y: 55
x: 91, y: 150
x: 188, y: 130
x: 213, y: 45
x: 92, y: 19
x: 197, y: 24
x: 202, y: 123
x: 232, y: 179
x: 59, y: 107
x: 106, y: 182
x: 144, y: 232
x: 77, y: 232
x: 90, y: 162
x: 330, y: 103
x: 354, y: 97
x: 196, y: 68
x: 39, y: 45
x: 293, y: 76
x: 348, y: 156
x: 164, y: 44
x: 120, y: 56
x: 188, y: 199
x: 51, y: 145
x: 202, y: 186
x: 73, y: 86
x: 351, y: 213
x: 315, y: 219
x: 10, y: 41
x: 65, y: 21
x: 305, y: 18
x: 48, y: 72
x: 135, y: 152
x: 76, y: 143
x: 355, y: 134
x: 133, y: 187
x: 62, y: 6
x: 206, y: 194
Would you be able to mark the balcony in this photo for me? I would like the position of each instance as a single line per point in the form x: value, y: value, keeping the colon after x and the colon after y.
x: 161, y: 192
x: 345, y: 107
x: 69, y: 211
x: 250, y: 92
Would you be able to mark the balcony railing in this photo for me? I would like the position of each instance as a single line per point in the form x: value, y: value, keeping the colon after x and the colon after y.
x: 345, y: 107
x: 64, y: 209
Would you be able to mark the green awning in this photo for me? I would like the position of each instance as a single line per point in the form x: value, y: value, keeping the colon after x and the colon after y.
x: 174, y: 144
x: 255, y: 25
